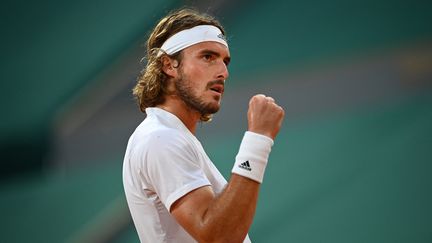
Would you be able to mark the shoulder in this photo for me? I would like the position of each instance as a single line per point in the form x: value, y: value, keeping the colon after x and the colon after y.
x: 150, y: 131
x: 163, y: 139
x: 167, y: 136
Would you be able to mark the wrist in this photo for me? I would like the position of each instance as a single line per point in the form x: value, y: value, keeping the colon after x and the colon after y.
x: 251, y: 160
x: 263, y: 133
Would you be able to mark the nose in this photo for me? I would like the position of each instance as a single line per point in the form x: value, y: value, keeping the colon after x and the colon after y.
x: 223, y: 72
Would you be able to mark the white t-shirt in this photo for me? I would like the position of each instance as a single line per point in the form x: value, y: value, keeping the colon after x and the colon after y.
x: 163, y: 162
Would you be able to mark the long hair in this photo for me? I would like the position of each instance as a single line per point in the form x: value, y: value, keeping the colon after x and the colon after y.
x: 151, y: 87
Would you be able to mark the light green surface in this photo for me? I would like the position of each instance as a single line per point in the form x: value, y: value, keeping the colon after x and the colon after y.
x: 54, y: 208
x: 50, y: 49
x: 286, y: 35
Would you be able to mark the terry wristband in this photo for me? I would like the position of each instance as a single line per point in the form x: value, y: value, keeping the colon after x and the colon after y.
x: 252, y: 157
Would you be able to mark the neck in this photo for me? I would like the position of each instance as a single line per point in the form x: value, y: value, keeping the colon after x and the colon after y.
x: 188, y: 116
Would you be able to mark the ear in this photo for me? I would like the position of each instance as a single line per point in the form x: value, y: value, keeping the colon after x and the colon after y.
x: 169, y: 66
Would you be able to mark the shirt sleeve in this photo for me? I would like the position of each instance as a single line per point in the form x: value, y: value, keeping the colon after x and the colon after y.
x: 173, y: 167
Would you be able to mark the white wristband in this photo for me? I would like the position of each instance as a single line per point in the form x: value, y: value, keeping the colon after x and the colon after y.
x: 252, y: 157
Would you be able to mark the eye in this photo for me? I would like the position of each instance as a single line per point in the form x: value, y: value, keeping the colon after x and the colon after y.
x: 226, y: 62
x: 207, y: 57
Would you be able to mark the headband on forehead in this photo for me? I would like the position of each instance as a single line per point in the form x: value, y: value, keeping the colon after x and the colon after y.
x: 189, y: 37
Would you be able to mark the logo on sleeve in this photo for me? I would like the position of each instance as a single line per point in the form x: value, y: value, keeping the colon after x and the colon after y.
x: 245, y: 165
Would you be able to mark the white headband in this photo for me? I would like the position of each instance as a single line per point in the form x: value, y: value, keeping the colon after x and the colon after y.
x: 188, y: 37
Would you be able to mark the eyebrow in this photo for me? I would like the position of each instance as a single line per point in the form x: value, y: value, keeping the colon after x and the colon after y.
x: 217, y: 54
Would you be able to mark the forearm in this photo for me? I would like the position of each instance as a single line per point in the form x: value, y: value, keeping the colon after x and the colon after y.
x: 229, y: 216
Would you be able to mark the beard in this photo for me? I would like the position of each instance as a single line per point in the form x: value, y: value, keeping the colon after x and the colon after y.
x: 191, y: 99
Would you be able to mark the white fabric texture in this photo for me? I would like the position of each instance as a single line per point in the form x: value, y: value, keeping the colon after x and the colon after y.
x: 251, y: 160
x: 163, y: 162
x: 192, y: 36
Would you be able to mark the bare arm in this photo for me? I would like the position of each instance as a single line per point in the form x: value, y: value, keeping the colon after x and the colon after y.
x: 228, y: 216
x: 225, y: 218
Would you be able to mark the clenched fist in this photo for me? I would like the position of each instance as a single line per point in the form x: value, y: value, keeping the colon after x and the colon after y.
x: 264, y: 116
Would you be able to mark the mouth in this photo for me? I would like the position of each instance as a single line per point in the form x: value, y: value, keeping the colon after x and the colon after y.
x: 217, y: 88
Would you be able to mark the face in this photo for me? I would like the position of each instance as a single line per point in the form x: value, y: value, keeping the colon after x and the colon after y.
x: 201, y: 76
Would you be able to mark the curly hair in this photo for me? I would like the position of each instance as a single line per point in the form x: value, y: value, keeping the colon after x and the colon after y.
x: 151, y: 86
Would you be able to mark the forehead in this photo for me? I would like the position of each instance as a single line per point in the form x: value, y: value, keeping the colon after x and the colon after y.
x: 213, y: 46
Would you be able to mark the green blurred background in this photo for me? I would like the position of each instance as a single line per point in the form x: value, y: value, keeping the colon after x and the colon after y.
x: 351, y: 164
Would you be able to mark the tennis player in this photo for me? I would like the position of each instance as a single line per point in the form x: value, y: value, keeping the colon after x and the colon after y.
x: 174, y: 191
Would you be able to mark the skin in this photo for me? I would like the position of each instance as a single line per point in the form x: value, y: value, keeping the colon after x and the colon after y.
x: 228, y: 216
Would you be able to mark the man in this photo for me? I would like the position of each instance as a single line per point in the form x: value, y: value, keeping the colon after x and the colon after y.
x: 173, y: 190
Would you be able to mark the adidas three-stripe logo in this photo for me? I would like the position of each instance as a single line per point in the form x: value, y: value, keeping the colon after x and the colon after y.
x: 245, y: 165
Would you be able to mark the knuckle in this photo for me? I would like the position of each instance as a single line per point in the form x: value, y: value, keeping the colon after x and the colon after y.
x: 270, y: 98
